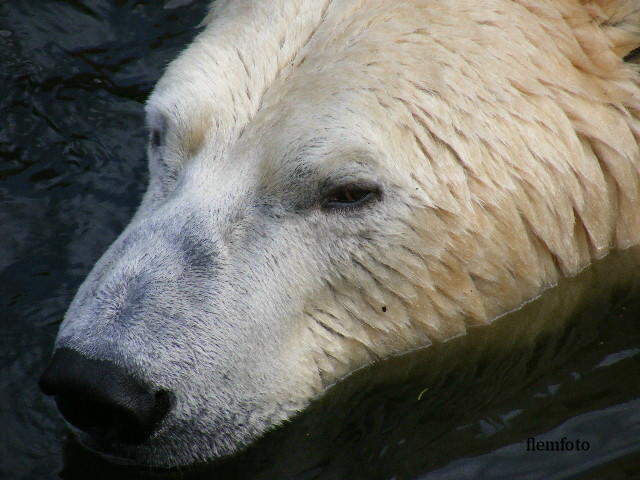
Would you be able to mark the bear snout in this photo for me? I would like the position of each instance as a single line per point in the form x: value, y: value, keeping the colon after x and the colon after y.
x: 100, y: 398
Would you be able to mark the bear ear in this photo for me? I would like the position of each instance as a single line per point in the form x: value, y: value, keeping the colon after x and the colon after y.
x: 620, y: 21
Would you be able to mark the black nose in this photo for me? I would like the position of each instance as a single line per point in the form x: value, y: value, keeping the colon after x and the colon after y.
x: 100, y: 398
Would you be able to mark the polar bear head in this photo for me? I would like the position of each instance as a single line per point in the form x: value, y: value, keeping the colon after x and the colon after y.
x: 335, y: 181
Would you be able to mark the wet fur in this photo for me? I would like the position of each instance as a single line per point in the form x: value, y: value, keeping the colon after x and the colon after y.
x: 505, y: 135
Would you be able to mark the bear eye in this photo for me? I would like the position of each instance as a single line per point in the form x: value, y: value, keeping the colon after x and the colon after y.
x: 351, y: 196
x: 157, y: 125
x: 155, y: 138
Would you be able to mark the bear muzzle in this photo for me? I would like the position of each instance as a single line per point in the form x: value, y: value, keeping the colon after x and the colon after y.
x: 101, y: 399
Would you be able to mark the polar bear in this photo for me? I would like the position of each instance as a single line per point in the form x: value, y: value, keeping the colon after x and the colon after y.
x: 335, y: 181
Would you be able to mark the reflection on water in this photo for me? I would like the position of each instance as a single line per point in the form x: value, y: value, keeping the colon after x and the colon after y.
x: 74, y: 74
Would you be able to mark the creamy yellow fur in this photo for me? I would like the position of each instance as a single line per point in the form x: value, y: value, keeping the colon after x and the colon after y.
x: 511, y: 127
x: 519, y: 123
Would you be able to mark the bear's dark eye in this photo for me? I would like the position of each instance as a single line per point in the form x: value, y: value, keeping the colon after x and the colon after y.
x: 351, y: 196
x: 155, y: 139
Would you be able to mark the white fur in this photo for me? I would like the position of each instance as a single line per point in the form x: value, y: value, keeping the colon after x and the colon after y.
x: 504, y: 135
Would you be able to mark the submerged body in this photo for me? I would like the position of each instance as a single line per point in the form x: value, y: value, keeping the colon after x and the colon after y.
x: 333, y: 182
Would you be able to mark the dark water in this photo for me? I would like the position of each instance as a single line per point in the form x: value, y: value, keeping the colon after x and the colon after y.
x: 73, y: 78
